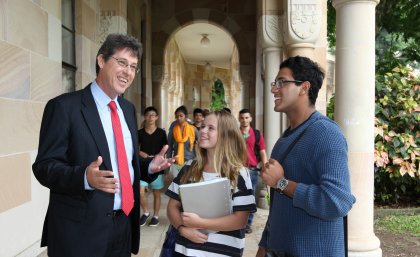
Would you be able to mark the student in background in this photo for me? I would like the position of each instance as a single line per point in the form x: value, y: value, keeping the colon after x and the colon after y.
x: 214, y: 159
x: 151, y: 140
x: 182, y: 137
x: 198, y: 118
x: 255, y: 146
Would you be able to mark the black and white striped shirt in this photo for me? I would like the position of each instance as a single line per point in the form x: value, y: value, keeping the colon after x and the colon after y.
x: 222, y: 243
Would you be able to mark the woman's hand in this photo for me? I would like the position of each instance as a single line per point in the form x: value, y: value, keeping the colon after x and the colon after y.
x: 193, y: 234
x: 192, y: 220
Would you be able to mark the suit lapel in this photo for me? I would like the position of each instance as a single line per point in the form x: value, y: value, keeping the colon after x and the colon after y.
x: 92, y: 119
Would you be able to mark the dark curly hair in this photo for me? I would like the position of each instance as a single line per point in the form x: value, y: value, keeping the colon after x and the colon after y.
x: 304, y: 69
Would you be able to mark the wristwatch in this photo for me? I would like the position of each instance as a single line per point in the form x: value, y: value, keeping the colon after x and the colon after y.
x: 282, y: 184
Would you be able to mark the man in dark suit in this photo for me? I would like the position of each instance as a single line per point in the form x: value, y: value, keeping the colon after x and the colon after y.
x: 79, y: 161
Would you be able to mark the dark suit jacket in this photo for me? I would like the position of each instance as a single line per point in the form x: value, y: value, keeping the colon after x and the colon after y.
x: 78, y: 221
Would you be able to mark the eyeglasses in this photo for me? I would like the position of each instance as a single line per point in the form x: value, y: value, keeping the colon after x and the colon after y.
x: 124, y: 63
x: 281, y: 83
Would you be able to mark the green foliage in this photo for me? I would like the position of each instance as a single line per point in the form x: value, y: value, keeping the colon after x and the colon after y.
x: 400, y: 224
x: 393, y: 49
x: 331, y: 26
x: 330, y: 107
x: 399, y: 17
x: 397, y: 135
x: 397, y: 176
x: 217, y: 96
x: 396, y: 18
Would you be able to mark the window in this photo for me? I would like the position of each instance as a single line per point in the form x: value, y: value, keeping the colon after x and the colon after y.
x: 68, y: 46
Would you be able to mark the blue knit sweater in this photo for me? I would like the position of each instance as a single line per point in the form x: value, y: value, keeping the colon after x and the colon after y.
x: 311, y: 224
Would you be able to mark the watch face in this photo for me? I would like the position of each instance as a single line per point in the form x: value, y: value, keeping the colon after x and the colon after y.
x: 282, y: 184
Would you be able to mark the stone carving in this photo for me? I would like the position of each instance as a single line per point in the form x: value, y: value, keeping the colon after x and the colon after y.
x: 304, y: 20
x: 105, y: 22
x: 165, y: 81
x: 272, y: 30
x: 157, y: 73
x: 172, y: 87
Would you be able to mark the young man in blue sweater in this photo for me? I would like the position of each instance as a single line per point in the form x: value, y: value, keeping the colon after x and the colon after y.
x: 312, y: 185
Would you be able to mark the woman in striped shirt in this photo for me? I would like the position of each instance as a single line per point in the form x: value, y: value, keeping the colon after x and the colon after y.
x: 221, y: 152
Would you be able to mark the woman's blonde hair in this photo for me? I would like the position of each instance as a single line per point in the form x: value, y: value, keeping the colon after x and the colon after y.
x: 230, y: 152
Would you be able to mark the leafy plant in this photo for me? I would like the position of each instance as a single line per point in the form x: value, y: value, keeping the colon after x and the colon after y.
x: 217, y: 96
x: 397, y: 134
x: 331, y: 16
x: 330, y: 107
x: 397, y: 174
x: 393, y: 49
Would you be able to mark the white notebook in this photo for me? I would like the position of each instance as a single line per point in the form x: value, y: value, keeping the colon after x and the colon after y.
x: 208, y: 199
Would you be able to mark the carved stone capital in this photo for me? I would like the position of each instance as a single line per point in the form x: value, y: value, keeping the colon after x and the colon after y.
x: 105, y: 22
x: 172, y: 86
x: 157, y: 73
x: 271, y: 30
x: 303, y: 21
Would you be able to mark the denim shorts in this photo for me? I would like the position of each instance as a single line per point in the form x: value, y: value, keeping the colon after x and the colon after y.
x: 157, y: 184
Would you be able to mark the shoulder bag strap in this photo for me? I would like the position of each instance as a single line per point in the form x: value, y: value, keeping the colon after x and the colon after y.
x: 289, y: 148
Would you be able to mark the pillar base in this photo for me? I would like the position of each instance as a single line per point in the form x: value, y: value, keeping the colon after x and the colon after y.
x: 374, y: 253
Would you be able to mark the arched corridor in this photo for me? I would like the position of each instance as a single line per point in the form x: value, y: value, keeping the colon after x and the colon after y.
x: 52, y: 51
x: 191, y: 69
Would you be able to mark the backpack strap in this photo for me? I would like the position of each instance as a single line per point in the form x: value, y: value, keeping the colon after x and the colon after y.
x: 257, y: 134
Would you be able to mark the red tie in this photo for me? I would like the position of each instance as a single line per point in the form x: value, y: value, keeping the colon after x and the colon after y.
x: 125, y: 180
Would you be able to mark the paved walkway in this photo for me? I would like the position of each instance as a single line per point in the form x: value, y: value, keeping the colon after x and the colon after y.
x: 151, y: 238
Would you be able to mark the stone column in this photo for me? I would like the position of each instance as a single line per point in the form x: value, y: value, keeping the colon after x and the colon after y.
x: 272, y: 120
x: 355, y: 113
x: 164, y: 117
x: 171, y: 101
x: 271, y: 24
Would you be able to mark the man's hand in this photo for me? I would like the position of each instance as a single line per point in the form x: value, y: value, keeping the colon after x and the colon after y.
x: 272, y: 172
x: 101, y: 179
x: 160, y: 162
x: 260, y: 252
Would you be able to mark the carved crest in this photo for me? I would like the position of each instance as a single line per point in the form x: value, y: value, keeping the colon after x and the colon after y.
x: 305, y: 19
x: 273, y: 28
x: 105, y: 22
